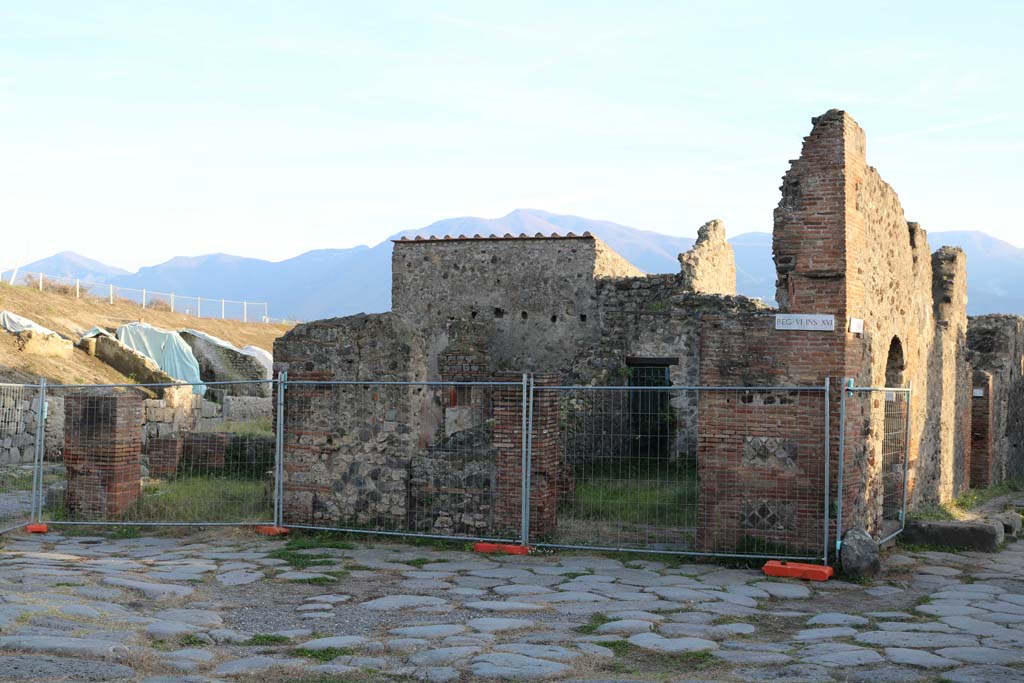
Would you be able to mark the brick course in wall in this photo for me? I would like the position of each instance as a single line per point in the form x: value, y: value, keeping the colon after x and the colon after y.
x: 164, y: 455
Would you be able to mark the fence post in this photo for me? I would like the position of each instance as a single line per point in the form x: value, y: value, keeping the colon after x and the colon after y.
x: 143, y: 298
x: 527, y: 463
x: 172, y: 302
x: 36, y: 514
x: 282, y: 382
x: 222, y: 309
x: 199, y: 307
x: 245, y: 311
x: 847, y: 384
x: 828, y: 468
x: 111, y: 294
x: 40, y: 282
x: 78, y: 289
x: 906, y: 458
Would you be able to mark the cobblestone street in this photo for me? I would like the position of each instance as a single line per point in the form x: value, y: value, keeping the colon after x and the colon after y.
x: 227, y: 607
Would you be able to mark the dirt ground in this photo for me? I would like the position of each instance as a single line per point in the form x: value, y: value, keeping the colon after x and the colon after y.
x: 71, y: 317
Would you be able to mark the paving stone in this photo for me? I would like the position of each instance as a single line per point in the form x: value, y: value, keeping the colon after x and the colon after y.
x: 66, y: 646
x: 680, y: 594
x: 948, y: 608
x: 637, y: 614
x: 836, y: 619
x: 568, y: 596
x: 792, y: 673
x: 984, y: 674
x: 788, y: 591
x: 498, y: 624
x: 929, y: 626
x: 192, y: 654
x: 436, y: 674
x: 165, y: 630
x: 521, y: 589
x: 333, y: 642
x: 595, y: 650
x: 472, y: 639
x: 845, y: 657
x: 915, y: 639
x: 150, y: 590
x: 294, y: 633
x: 981, y: 655
x: 199, y: 617
x: 515, y: 667
x: 881, y: 591
x: 393, y: 602
x: 406, y: 645
x: 239, y: 577
x: 428, y: 631
x: 504, y: 606
x: 752, y: 657
x: 653, y: 641
x: 253, y: 665
x: 314, y: 607
x: 302, y: 576
x: 626, y: 627
x: 443, y: 655
x: 921, y: 658
x: 825, y: 633
x: 552, y: 652
x: 44, y: 667
x: 329, y: 598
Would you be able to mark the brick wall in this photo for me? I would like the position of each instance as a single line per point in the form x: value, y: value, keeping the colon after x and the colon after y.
x: 102, y: 454
x: 981, y: 430
x: 164, y: 455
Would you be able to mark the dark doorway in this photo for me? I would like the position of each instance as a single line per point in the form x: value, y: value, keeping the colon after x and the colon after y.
x: 894, y: 438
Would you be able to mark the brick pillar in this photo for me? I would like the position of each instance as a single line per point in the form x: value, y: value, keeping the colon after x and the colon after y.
x: 102, y: 453
x: 164, y: 455
x: 507, y: 440
x: 546, y: 475
x: 981, y: 430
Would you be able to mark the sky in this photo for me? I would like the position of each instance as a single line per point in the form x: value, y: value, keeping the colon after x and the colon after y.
x: 135, y: 131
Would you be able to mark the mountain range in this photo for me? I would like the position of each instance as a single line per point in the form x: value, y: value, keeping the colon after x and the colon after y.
x: 333, y: 282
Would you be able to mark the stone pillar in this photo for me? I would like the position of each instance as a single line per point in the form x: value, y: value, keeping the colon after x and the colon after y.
x: 507, y: 440
x: 102, y: 453
x: 981, y: 430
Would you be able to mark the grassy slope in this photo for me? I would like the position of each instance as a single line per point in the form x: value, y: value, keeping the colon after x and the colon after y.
x: 71, y: 317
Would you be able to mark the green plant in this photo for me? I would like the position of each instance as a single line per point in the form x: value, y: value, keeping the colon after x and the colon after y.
x: 595, y: 622
x: 266, y: 639
x: 202, y: 499
x: 191, y: 641
x: 324, y: 655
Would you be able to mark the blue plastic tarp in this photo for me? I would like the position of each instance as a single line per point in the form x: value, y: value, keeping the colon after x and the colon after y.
x: 166, y: 348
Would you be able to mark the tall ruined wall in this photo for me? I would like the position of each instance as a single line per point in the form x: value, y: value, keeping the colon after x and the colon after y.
x: 996, y: 348
x: 710, y: 266
x: 539, y: 292
x: 348, y: 447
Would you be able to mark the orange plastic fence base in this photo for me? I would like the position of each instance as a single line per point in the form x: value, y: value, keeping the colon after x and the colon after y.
x: 505, y: 548
x: 37, y: 528
x: 271, y: 530
x: 798, y: 570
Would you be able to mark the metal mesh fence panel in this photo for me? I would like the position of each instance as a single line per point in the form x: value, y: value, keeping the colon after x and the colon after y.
x: 702, y: 471
x: 165, y: 455
x: 19, y: 432
x: 424, y: 459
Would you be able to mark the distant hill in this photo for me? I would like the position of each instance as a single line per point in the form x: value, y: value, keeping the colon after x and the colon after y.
x: 72, y: 265
x: 332, y: 282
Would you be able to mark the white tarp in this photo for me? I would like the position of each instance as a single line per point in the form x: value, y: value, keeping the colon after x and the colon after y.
x: 166, y: 348
x: 264, y: 357
x: 14, y: 323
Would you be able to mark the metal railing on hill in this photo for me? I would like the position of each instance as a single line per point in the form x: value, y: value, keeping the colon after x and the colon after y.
x: 200, y: 307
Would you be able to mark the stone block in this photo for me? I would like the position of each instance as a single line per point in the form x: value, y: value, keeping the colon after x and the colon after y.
x: 1011, y: 522
x: 984, y: 536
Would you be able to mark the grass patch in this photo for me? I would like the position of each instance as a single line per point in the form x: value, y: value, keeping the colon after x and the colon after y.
x: 15, y: 479
x: 311, y: 541
x: 974, y: 497
x: 596, y: 621
x: 67, y: 585
x: 315, y: 580
x: 631, y: 493
x: 325, y: 655
x: 419, y: 562
x: 202, y: 499
x: 930, y: 547
x: 191, y: 641
x: 261, y: 639
x: 299, y: 560
x: 629, y: 659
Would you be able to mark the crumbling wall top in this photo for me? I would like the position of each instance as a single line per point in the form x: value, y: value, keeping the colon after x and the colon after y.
x: 710, y: 266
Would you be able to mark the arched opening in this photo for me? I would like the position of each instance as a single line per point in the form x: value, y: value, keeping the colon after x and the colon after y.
x: 894, y: 364
x: 894, y: 437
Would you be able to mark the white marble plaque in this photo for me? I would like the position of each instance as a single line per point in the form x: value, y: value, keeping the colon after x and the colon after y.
x: 805, y: 321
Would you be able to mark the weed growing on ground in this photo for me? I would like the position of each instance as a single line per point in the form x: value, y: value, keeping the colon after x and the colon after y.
x: 324, y: 655
x: 322, y: 539
x: 191, y: 641
x: 300, y: 560
x: 596, y: 621
x: 261, y: 639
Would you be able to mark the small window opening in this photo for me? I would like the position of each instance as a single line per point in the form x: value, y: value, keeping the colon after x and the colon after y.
x: 499, y: 312
x: 524, y: 315
x: 554, y: 318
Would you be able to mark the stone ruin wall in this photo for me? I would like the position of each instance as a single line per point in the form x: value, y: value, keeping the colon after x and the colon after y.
x: 710, y: 267
x: 540, y: 293
x: 996, y: 350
